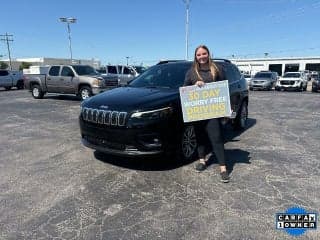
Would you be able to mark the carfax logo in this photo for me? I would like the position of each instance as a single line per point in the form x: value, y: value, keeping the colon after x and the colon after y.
x: 296, y: 221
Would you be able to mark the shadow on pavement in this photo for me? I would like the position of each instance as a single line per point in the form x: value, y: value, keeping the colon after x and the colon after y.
x: 154, y: 163
x: 230, y: 134
x: 63, y: 97
x: 163, y: 163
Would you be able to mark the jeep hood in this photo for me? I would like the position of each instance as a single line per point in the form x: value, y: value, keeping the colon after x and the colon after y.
x: 131, y: 99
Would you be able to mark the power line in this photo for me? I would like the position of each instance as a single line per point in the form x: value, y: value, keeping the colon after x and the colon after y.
x: 8, y: 38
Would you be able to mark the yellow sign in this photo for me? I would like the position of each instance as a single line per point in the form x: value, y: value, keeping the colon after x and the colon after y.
x: 209, y: 101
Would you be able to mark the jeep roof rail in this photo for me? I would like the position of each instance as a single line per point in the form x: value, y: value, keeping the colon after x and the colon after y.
x: 169, y: 61
x: 221, y: 59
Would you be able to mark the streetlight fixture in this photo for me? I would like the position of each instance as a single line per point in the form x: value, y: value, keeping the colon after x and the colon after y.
x: 68, y: 21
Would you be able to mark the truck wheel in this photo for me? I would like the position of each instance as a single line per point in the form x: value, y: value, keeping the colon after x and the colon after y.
x: 85, y: 92
x: 7, y: 88
x: 242, y: 117
x: 20, y: 84
x: 36, y: 91
x: 188, y: 144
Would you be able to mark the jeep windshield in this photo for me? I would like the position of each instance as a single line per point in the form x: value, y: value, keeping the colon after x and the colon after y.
x: 162, y: 76
x: 84, y: 70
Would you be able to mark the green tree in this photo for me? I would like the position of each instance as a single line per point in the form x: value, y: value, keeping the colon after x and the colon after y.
x: 24, y: 65
x: 3, y: 65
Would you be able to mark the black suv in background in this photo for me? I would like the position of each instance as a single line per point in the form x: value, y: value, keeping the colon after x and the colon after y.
x: 145, y: 117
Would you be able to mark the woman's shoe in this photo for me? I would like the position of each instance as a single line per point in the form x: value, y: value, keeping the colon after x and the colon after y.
x: 200, y: 166
x: 224, y: 176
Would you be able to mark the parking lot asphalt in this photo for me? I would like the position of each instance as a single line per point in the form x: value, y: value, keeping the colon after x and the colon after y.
x: 52, y: 187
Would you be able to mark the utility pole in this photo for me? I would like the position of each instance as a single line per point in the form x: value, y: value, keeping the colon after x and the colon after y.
x: 187, y: 2
x: 8, y: 38
x: 69, y: 20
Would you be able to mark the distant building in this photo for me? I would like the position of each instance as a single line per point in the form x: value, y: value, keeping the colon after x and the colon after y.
x: 280, y: 65
x: 42, y: 61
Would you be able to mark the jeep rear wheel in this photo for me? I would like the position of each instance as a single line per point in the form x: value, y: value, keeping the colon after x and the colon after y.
x: 85, y: 92
x: 188, y: 144
x: 36, y: 92
x: 242, y: 116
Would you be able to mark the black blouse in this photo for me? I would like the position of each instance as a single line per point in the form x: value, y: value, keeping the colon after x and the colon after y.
x: 191, y: 77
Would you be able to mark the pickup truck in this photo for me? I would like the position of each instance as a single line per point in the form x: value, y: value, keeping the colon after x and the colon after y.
x: 9, y: 79
x: 123, y: 72
x: 81, y: 80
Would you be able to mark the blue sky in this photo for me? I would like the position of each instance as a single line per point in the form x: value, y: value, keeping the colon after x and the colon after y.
x: 149, y: 30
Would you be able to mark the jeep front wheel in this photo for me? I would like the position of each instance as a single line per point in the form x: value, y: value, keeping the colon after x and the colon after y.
x: 188, y: 144
x: 36, y: 92
x: 85, y: 92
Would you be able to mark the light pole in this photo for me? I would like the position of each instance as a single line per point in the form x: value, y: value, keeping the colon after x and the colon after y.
x: 187, y: 2
x: 127, y: 60
x: 68, y: 21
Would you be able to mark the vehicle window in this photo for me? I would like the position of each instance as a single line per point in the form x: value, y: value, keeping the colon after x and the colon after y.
x: 4, y: 73
x: 237, y: 73
x: 112, y: 69
x: 140, y: 69
x: 101, y: 70
x: 84, y: 70
x: 293, y: 75
x: 54, y: 71
x: 230, y: 73
x: 127, y: 71
x: 263, y: 75
x: 163, y: 76
x: 66, y: 71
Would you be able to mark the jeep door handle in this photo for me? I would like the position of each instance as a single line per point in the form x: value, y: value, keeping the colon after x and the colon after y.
x: 61, y: 79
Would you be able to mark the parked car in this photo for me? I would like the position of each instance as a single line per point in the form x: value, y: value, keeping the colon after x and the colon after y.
x: 263, y: 80
x: 124, y: 73
x: 140, y: 69
x: 247, y: 77
x: 292, y: 81
x: 145, y: 117
x: 9, y: 79
x: 81, y: 80
x: 315, y: 83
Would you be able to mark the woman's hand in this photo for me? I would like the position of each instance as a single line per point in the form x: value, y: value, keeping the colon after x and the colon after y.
x: 199, y: 83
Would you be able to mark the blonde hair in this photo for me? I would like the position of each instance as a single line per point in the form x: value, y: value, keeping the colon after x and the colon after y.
x: 196, y: 66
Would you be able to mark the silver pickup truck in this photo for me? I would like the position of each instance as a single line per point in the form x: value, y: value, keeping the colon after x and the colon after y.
x: 82, y: 80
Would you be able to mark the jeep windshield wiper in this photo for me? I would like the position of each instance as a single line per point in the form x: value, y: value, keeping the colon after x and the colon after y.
x: 154, y: 86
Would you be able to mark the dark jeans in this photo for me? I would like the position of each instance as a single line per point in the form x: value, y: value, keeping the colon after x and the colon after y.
x: 210, y: 130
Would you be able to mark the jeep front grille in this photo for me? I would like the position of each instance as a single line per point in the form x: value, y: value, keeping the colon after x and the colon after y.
x: 105, y: 117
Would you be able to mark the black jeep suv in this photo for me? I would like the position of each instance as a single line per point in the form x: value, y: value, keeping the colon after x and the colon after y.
x: 145, y: 117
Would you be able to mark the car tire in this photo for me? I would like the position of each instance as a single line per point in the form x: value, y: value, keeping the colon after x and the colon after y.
x: 188, y: 144
x: 36, y: 91
x: 20, y: 84
x: 85, y: 92
x: 7, y: 88
x: 241, y: 119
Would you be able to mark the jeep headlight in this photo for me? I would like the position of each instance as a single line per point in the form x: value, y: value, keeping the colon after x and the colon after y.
x: 153, y: 114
